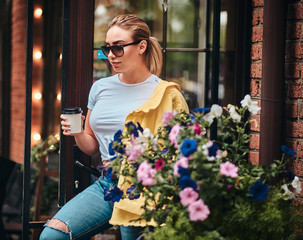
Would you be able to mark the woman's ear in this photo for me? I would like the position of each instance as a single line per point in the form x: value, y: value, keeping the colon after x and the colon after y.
x: 143, y: 46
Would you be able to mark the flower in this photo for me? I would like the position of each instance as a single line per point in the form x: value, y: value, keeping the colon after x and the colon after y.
x: 296, y: 184
x: 145, y: 174
x: 287, y: 194
x: 198, y: 211
x: 185, y: 181
x: 173, y: 135
x: 288, y: 151
x: 259, y: 191
x: 228, y: 169
x: 107, y: 195
x: 233, y: 113
x: 188, y: 196
x: 159, y: 164
x: 182, y: 162
x: 188, y: 147
x: 200, y: 109
x: 168, y: 116
x: 116, y: 194
x: 109, y: 174
x: 215, y: 111
x: 129, y: 193
x: 132, y: 128
x: 252, y: 106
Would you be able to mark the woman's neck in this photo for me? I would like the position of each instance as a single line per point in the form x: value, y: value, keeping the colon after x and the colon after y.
x: 136, y: 76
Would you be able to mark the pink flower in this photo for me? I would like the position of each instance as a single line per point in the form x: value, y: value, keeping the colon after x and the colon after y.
x: 173, y: 135
x: 146, y: 174
x: 182, y: 162
x: 229, y: 169
x: 167, y: 116
x: 135, y: 152
x: 198, y: 211
x: 159, y: 164
x: 188, y: 195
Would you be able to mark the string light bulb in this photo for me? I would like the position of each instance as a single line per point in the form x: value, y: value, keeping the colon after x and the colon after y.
x: 38, y: 12
x: 38, y: 95
x: 36, y: 136
x: 37, y: 55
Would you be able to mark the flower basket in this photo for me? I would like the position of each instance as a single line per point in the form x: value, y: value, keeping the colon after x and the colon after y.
x: 196, y: 187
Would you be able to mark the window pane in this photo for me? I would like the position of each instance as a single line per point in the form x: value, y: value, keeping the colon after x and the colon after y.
x: 187, y: 69
x: 186, y: 26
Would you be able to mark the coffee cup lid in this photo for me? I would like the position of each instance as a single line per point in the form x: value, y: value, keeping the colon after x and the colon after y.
x: 74, y: 110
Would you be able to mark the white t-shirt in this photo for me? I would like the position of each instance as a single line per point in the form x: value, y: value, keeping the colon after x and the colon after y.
x: 111, y: 101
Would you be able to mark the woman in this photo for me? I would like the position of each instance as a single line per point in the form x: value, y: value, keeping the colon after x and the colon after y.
x: 134, y: 94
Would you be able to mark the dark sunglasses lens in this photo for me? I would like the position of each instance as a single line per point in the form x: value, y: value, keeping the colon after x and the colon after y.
x: 117, y: 50
x: 105, y: 50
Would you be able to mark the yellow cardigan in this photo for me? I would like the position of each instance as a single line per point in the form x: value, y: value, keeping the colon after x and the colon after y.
x: 166, y: 97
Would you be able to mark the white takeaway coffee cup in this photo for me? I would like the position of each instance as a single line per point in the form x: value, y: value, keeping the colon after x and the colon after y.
x: 73, y: 116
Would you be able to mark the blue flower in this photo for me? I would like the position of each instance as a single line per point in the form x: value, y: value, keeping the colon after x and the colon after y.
x: 259, y: 191
x: 185, y: 181
x: 193, y: 119
x: 212, y: 151
x: 188, y: 147
x: 183, y: 171
x: 117, y: 136
x: 132, y: 128
x: 200, y: 109
x: 116, y: 194
x: 140, y: 128
x: 129, y: 192
x: 107, y: 195
x: 288, y: 151
x: 109, y: 174
x: 165, y: 150
x: 110, y: 149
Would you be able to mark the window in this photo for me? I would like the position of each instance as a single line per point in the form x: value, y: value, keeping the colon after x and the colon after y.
x: 198, y: 38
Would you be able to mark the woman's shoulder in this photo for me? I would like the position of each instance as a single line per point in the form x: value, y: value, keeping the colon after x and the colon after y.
x: 106, y: 80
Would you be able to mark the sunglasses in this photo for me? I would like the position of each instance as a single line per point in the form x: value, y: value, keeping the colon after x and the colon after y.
x: 117, y: 50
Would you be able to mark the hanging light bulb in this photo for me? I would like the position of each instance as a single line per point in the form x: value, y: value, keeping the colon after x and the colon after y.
x: 36, y: 136
x: 38, y: 13
x: 59, y: 96
x: 37, y: 55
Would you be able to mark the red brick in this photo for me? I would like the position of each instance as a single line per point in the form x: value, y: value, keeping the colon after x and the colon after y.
x: 255, y: 123
x: 256, y: 52
x: 257, y: 16
x: 255, y: 88
x: 294, y: 30
x: 294, y: 50
x: 292, y: 110
x: 293, y: 70
x: 254, y: 141
x: 256, y: 70
x: 254, y: 158
x: 300, y: 150
x: 295, y: 11
x: 294, y: 129
x: 298, y: 168
x: 258, y: 3
x: 257, y: 34
x: 295, y: 89
x: 300, y: 110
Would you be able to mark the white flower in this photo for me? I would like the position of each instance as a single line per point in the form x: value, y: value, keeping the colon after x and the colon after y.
x: 233, y: 113
x: 296, y: 184
x: 215, y: 111
x: 252, y: 106
x: 288, y: 194
x: 147, y: 133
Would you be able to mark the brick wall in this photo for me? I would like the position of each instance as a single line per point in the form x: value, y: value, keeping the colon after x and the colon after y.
x: 293, y: 76
x: 256, y: 75
x: 294, y: 83
x: 18, y: 71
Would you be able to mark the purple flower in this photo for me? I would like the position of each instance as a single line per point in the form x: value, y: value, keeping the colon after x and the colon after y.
x: 188, y: 147
x: 107, y: 195
x: 129, y: 193
x: 212, y: 150
x: 132, y: 128
x: 288, y: 151
x: 116, y: 194
x: 109, y: 174
x: 259, y: 191
x: 185, y: 181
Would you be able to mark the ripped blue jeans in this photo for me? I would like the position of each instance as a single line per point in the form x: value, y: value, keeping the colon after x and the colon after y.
x: 87, y: 214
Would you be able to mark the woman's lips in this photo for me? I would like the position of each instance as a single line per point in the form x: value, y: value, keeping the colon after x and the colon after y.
x: 115, y: 64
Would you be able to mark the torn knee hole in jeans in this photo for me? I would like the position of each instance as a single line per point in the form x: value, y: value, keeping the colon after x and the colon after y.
x: 59, y: 225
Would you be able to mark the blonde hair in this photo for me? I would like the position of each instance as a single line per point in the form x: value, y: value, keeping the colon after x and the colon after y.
x: 140, y: 31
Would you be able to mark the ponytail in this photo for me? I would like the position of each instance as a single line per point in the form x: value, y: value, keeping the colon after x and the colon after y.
x: 154, y: 59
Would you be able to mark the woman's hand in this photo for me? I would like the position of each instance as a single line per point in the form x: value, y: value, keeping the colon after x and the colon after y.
x: 65, y: 125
